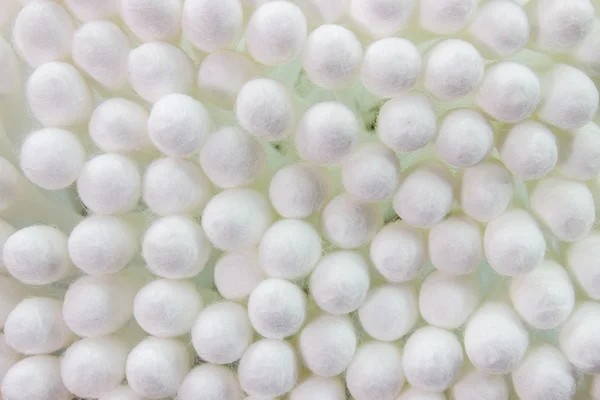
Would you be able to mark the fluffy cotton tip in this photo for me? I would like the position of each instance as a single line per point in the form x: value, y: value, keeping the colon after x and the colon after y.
x: 406, y: 123
x: 298, y: 190
x: 151, y: 20
x: 579, y: 338
x: 486, y: 191
x: 318, y: 388
x: 495, y: 340
x: 269, y: 368
x: 587, y: 53
x: 446, y: 17
x: 237, y: 274
x: 121, y: 392
x: 10, y: 184
x: 381, y: 18
x: 582, y: 260
x: 175, y: 248
x: 332, y: 56
x: 35, y: 378
x: 455, y: 245
x: 211, y: 25
x: 210, y: 382
x: 560, y: 25
x: 11, y: 293
x: 375, y: 372
x: 91, y: 10
x: 581, y: 158
x: 476, y: 385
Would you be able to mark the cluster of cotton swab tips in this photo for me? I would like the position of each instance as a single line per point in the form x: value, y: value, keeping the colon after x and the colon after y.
x: 300, y: 199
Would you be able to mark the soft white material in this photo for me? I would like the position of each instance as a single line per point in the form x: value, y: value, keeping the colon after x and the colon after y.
x: 582, y: 260
x: 52, y: 158
x: 447, y: 16
x: 172, y: 185
x: 276, y: 32
x: 10, y: 184
x: 579, y: 338
x: 43, y: 32
x: 264, y: 108
x: 464, y: 139
x: 9, y: 68
x: 545, y: 374
x: 237, y: 274
x: 349, y: 223
x: 231, y: 158
x: 11, y: 293
x: 175, y: 247
x: 391, y: 67
x: 570, y: 97
x: 581, y: 158
x: 151, y: 20
x: 381, y: 18
x: 327, y: 344
x: 36, y: 326
x: 406, y: 123
x: 475, y: 385
x: 486, y: 191
x: 495, y: 340
x: 37, y: 255
x: 332, y: 56
x: 91, y: 10
x: 6, y: 230
x: 375, y: 372
x: 57, y: 95
x: 167, y: 308
x: 371, y: 172
x: 326, y: 133
x: 94, y: 366
x: 121, y: 392
x: 277, y: 308
x: 455, y: 245
x: 119, y: 125
x: 328, y: 11
x: 222, y: 332
x: 35, y: 378
x: 98, y: 305
x: 10, y: 9
x: 412, y: 393
x: 289, y: 249
x: 156, y: 367
x: 587, y: 54
x: 509, y: 92
x: 298, y: 190
x: 319, y: 388
x: 210, y: 382
x: 269, y: 368
x: 453, y: 69
x: 340, y: 282
x: 236, y: 219
x: 178, y: 125
x: 8, y: 357
x: 110, y: 184
x: 211, y: 25
x: 157, y: 69
x: 446, y: 300
x: 389, y: 312
x: 513, y: 243
x: 398, y: 252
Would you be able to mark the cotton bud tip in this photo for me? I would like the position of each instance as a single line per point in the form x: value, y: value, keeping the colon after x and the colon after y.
x: 210, y: 25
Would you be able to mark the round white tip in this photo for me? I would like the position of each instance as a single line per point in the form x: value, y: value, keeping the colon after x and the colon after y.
x: 210, y: 382
x: 486, y: 191
x: 581, y: 158
x: 579, y: 338
x: 381, y: 18
x: 447, y: 16
x: 35, y: 378
x: 587, y: 54
x: 211, y: 25
x: 319, y: 388
x: 474, y: 384
x: 298, y: 190
x: 91, y: 10
x: 582, y: 261
x: 237, y: 274
x: 152, y: 19
x: 455, y: 245
x: 560, y: 25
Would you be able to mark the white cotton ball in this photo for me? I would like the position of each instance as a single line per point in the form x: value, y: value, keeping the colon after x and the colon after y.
x: 582, y: 260
x: 264, y: 108
x: 381, y: 18
x: 375, y: 372
x: 119, y: 125
x: 11, y: 293
x: 58, y: 96
x: 561, y: 25
x: 425, y: 196
x: 509, y: 92
x: 36, y: 326
x: 231, y: 158
x: 276, y: 33
x: 52, y: 158
x: 94, y: 366
x: 545, y: 374
x: 35, y: 378
x: 319, y: 388
x: 486, y: 191
x: 110, y: 184
x: 587, y: 54
x: 37, y: 255
x: 175, y: 247
x: 237, y: 274
x: 157, y: 69
x: 340, y: 282
x: 167, y: 308
x: 91, y: 10
x: 412, y: 393
x: 581, y: 158
x: 349, y: 223
x: 446, y: 300
x: 570, y: 98
x: 389, y: 312
x: 6, y: 230
x: 8, y: 357
x: 495, y: 340
x: 211, y: 25
x: 453, y: 70
x: 157, y: 367
x: 465, y: 138
x: 327, y: 344
x: 513, y: 243
x: 398, y: 252
x: 332, y: 56
x: 98, y: 305
x: 10, y: 184
x: 236, y: 219
x: 173, y: 185
x: 579, y: 338
x: 9, y: 69
x: 152, y: 20
x: 277, y: 308
x: 500, y: 28
x: 446, y: 17
x: 298, y: 190
x: 391, y: 67
x: 210, y: 382
x: 121, y: 392
x: 455, y: 245
x: 100, y: 49
x: 476, y: 385
x: 406, y: 123
x: 43, y: 32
